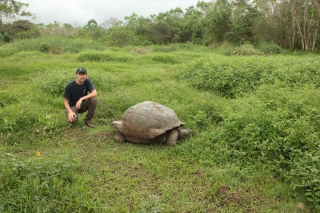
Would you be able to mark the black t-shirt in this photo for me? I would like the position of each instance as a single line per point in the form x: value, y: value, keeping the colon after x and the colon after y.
x: 73, y: 92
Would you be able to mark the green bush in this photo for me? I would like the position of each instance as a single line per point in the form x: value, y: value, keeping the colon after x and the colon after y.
x: 165, y: 58
x: 43, y: 184
x: 52, y: 44
x: 164, y: 48
x: 273, y: 118
x: 278, y: 127
x: 5, y: 52
x: 233, y: 76
x: 228, y: 76
x: 270, y: 125
x: 103, y: 81
x: 44, y: 47
x: 54, y: 83
x: 104, y: 57
x: 246, y: 49
x: 269, y: 48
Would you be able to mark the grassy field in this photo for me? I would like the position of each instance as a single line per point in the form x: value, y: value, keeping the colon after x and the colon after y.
x: 255, y: 146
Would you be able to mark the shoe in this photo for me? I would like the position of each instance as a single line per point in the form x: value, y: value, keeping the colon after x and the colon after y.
x: 89, y: 124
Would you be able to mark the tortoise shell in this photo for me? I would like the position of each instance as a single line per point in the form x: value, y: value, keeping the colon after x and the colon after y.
x: 148, y: 120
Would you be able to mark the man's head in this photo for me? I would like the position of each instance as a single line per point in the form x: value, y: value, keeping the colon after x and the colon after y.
x: 81, y: 70
x: 81, y: 75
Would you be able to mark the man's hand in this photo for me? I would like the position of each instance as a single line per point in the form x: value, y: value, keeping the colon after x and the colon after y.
x: 71, y: 116
x: 78, y: 104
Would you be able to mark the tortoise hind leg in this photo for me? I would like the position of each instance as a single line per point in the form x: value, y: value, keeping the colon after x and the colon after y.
x: 172, y: 137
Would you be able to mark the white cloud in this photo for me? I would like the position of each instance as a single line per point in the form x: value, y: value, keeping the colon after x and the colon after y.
x: 79, y: 12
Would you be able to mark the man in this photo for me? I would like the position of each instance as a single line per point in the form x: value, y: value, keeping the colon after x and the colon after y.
x: 77, y: 100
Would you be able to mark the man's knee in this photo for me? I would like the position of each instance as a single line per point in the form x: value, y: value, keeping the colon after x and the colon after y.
x: 94, y: 101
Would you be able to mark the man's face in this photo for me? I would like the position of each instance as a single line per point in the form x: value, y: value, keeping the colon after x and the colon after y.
x: 81, y: 77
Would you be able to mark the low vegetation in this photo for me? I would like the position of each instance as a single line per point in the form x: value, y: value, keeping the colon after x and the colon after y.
x: 255, y: 146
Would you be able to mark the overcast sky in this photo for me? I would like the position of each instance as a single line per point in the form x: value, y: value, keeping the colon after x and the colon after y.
x: 79, y: 12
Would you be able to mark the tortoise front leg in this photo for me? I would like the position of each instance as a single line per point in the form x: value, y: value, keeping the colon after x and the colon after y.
x: 172, y: 137
x: 119, y: 137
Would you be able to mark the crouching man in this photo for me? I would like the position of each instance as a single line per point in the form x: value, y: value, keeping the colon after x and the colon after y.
x: 80, y: 95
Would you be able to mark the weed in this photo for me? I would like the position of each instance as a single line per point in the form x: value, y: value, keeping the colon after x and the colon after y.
x: 104, y: 57
x: 40, y: 184
x: 254, y: 148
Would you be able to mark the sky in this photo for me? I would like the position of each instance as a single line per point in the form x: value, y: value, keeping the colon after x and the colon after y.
x: 79, y: 12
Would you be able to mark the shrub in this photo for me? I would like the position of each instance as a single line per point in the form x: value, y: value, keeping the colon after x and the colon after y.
x: 277, y: 128
x: 103, y: 57
x: 5, y: 52
x: 42, y: 184
x: 44, y: 47
x: 163, y: 48
x: 50, y: 44
x: 54, y: 83
x: 233, y: 76
x: 165, y: 58
x: 103, y: 81
x: 269, y: 48
x: 246, y: 49
x: 228, y: 76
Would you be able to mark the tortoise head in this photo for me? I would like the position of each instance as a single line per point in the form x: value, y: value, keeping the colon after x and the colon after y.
x: 184, y: 133
x: 117, y: 124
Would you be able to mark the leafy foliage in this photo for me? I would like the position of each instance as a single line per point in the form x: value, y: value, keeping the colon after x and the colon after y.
x: 276, y: 125
x: 54, y: 83
x: 232, y: 76
x: 269, y: 48
x: 27, y: 185
x: 255, y: 146
x: 12, y: 8
x: 206, y: 23
x: 104, y: 57
x: 120, y: 37
x: 165, y: 58
x: 50, y: 44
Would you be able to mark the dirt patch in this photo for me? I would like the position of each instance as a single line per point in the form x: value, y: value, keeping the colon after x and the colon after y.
x: 101, y: 136
x: 72, y: 133
x: 225, y: 196
x: 81, y: 134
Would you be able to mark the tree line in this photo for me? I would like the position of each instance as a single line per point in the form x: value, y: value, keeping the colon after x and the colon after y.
x: 290, y: 24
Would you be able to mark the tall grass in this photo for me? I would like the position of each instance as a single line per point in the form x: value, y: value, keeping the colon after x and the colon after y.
x: 273, y: 117
x: 29, y: 185
x: 255, y: 145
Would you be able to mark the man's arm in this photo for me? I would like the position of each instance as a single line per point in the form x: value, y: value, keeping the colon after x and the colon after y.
x: 71, y: 114
x: 90, y: 95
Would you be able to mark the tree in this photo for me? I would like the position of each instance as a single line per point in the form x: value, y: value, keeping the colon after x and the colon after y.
x: 290, y: 23
x: 120, y: 36
x: 192, y: 18
x: 92, y: 24
x: 161, y: 33
x: 23, y: 29
x: 217, y: 22
x: 244, y: 16
x: 67, y: 26
x: 54, y: 29
x: 93, y: 30
x: 11, y: 8
x: 109, y: 23
x: 306, y: 21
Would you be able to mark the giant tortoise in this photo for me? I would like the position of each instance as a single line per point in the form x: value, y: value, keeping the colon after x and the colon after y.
x: 149, y: 122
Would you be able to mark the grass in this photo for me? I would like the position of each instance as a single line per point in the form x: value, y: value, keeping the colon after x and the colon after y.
x: 84, y: 170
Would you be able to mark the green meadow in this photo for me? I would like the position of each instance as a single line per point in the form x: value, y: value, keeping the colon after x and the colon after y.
x: 255, y: 146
